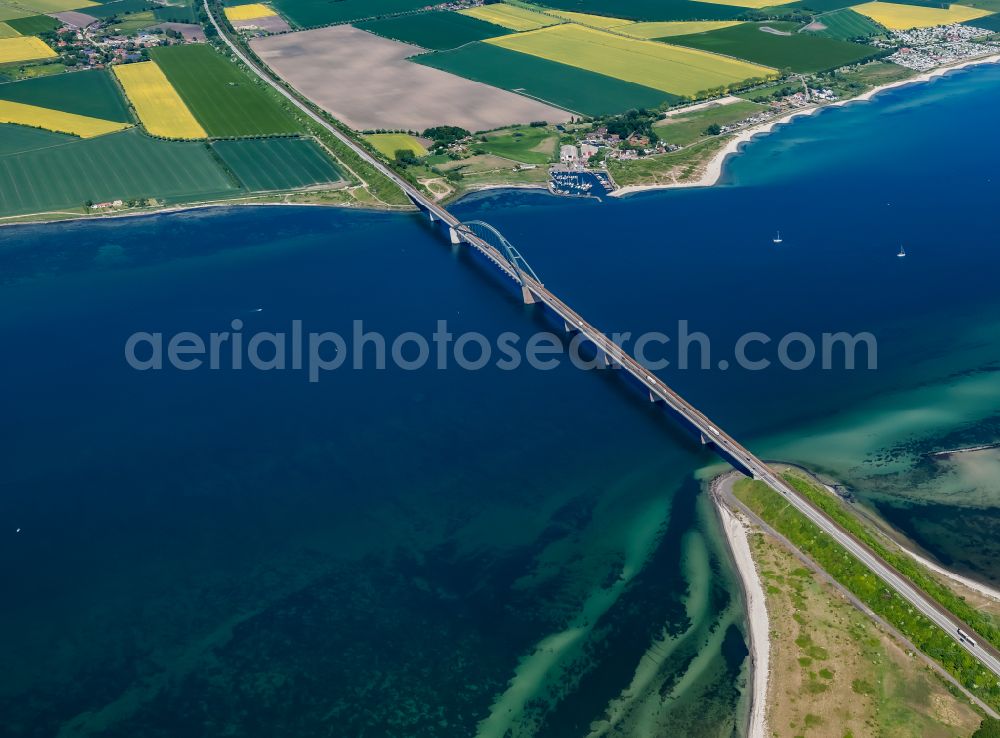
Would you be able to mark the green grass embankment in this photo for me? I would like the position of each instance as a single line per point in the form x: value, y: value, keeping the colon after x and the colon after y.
x: 867, y: 587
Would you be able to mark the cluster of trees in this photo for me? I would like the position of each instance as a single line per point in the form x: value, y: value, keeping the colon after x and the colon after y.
x: 633, y: 123
x: 989, y: 728
x: 445, y: 136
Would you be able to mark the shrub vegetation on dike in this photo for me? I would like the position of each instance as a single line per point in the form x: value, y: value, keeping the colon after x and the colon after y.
x: 868, y: 588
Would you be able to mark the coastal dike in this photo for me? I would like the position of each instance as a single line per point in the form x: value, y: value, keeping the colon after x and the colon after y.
x: 823, y: 664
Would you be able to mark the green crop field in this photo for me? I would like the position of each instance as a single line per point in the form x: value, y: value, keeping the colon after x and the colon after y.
x: 308, y: 13
x: 434, y: 30
x: 123, y: 165
x: 993, y: 5
x: 92, y: 93
x: 650, y: 10
x: 133, y: 22
x: 173, y: 14
x: 845, y: 24
x: 9, y: 11
x: 687, y: 128
x: 223, y: 98
x: 15, y: 139
x: 943, y: 4
x: 268, y: 164
x: 120, y: 8
x: 819, y: 6
x: 388, y: 144
x: 800, y: 52
x: 33, y: 24
x: 561, y: 85
x: 525, y: 144
x: 989, y: 22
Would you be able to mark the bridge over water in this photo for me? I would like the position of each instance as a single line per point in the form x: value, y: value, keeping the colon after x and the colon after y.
x: 488, y: 243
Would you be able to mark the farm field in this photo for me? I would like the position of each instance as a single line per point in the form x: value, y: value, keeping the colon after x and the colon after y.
x: 567, y: 87
x: 56, y: 120
x: 223, y: 98
x: 124, y: 165
x: 248, y: 11
x: 367, y: 82
x: 388, y: 144
x: 436, y: 29
x: 901, y: 17
x: 603, y: 22
x: 7, y: 32
x: 754, y: 4
x: 513, y: 17
x: 23, y: 48
x: 40, y: 7
x: 989, y: 22
x: 31, y: 70
x: 156, y: 102
x: 819, y: 6
x: 8, y: 11
x: 33, y: 24
x: 525, y: 144
x: 92, y: 93
x: 120, y: 8
x: 991, y: 5
x: 269, y: 164
x: 134, y: 22
x: 15, y: 139
x: 687, y: 128
x: 672, y: 69
x: 649, y: 10
x: 845, y: 24
x: 306, y: 13
x: 663, y: 29
x: 184, y: 14
x: 799, y: 52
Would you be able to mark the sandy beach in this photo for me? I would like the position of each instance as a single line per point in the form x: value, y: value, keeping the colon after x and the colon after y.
x: 759, y: 626
x: 714, y: 168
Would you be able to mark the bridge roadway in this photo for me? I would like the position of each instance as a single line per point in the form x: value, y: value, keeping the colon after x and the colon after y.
x: 724, y: 444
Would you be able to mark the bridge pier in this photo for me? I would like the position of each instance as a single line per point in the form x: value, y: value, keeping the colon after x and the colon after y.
x: 452, y: 234
x: 528, y: 295
x: 430, y: 214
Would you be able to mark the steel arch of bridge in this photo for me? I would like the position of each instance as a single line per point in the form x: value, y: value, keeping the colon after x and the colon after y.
x: 481, y: 229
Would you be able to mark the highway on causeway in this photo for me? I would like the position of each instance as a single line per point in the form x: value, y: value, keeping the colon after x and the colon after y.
x: 725, y: 445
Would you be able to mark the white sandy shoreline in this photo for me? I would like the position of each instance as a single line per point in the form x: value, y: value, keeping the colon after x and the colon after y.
x: 757, y: 619
x: 714, y: 168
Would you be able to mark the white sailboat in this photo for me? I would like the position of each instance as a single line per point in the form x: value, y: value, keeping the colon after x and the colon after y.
x: 777, y: 238
x: 902, y: 252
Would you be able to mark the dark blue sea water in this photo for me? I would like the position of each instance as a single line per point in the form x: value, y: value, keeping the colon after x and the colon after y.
x: 453, y: 553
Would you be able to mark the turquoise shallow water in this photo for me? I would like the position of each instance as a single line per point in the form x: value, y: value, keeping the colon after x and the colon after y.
x: 444, y: 553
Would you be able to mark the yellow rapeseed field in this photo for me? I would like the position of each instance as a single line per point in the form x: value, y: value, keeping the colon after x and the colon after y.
x: 23, y: 48
x: 513, y: 17
x: 901, y: 17
x: 249, y: 12
x: 157, y: 103
x: 662, y: 29
x: 672, y: 69
x: 56, y: 120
